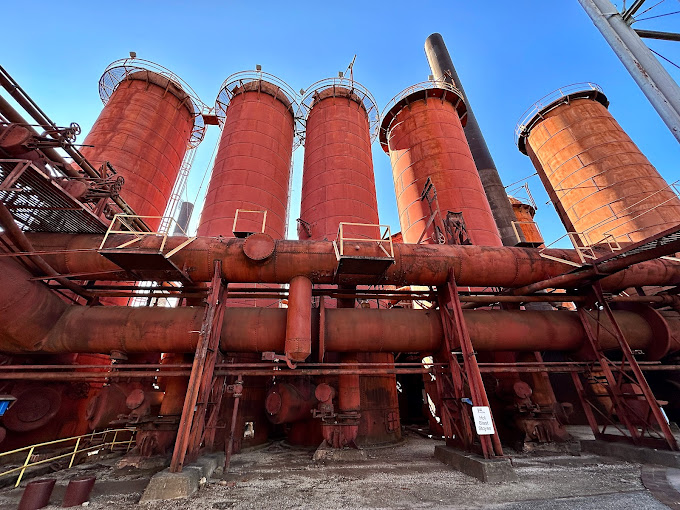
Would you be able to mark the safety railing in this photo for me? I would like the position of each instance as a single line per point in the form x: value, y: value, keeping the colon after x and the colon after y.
x: 107, y: 439
x: 247, y: 81
x: 617, y: 216
x: 177, y: 190
x: 428, y: 88
x: 122, y: 69
x: 384, y: 239
x: 517, y: 228
x: 238, y: 232
x: 552, y: 98
x: 124, y: 224
x: 344, y: 85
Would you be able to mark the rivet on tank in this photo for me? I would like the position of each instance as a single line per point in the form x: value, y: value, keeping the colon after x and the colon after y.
x: 149, y: 121
x: 604, y: 189
x: 422, y: 131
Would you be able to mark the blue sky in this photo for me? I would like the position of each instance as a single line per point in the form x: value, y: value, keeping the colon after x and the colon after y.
x: 508, y: 55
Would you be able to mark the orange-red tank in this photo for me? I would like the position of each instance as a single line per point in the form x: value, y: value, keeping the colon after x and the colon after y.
x: 251, y: 173
x: 337, y: 180
x: 423, y: 135
x: 144, y: 131
x: 338, y: 185
x: 603, y: 187
x: 252, y: 166
x: 524, y: 222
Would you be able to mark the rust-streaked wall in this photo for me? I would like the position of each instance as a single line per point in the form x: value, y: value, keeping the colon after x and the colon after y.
x: 426, y: 139
x: 603, y: 182
x: 143, y: 131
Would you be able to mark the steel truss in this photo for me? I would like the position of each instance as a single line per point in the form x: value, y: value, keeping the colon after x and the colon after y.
x: 455, y: 381
x: 197, y: 404
x: 635, y: 411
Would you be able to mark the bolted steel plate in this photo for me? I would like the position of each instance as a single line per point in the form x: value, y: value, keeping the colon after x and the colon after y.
x: 259, y: 246
x: 33, y: 409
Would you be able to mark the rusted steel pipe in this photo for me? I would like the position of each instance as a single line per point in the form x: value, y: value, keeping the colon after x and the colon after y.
x: 154, y: 329
x: 19, y: 239
x: 478, y: 266
x: 8, y: 111
x: 28, y: 309
x: 299, y: 319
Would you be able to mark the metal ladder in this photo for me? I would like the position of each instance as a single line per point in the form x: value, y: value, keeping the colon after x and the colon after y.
x: 196, y: 404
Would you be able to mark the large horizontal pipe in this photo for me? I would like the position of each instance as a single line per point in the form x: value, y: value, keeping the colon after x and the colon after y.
x: 479, y: 266
x: 153, y: 329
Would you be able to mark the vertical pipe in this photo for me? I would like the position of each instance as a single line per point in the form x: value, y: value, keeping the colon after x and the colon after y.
x: 299, y: 319
x: 654, y: 81
x: 442, y: 68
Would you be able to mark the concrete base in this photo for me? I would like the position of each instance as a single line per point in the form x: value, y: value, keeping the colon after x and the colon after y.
x: 167, y: 485
x: 485, y: 470
x: 325, y: 454
x: 630, y: 453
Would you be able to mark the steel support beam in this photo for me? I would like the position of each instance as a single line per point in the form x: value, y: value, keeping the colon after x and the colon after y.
x: 646, y: 70
x: 653, y: 34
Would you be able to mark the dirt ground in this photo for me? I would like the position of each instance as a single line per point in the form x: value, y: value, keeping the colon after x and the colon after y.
x: 402, y: 476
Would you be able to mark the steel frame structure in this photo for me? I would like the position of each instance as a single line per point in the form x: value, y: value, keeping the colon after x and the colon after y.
x: 652, y: 78
x: 456, y: 381
x: 648, y: 428
x: 192, y: 425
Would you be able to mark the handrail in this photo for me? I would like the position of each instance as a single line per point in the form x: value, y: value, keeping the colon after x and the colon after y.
x: 122, y: 220
x: 237, y: 81
x: 672, y: 187
x: 385, y: 237
x: 78, y: 439
x: 354, y: 87
x: 120, y: 70
x: 547, y: 100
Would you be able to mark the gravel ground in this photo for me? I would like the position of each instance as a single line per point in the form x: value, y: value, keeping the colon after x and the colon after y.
x: 405, y: 476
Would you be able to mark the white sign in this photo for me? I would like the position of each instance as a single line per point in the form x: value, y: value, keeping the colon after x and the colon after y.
x: 483, y: 422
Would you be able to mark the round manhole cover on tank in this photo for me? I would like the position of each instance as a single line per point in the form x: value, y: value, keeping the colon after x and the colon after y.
x: 33, y: 409
x: 259, y: 246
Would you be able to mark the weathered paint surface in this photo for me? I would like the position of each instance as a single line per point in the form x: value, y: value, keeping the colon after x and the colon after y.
x: 606, y: 186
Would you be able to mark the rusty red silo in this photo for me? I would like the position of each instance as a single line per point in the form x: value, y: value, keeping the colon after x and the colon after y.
x: 252, y: 166
x: 251, y: 173
x: 603, y: 187
x: 338, y: 185
x: 422, y: 131
x: 149, y: 120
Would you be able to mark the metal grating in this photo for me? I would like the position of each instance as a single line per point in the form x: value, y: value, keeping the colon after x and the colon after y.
x: 657, y: 242
x: 39, y: 204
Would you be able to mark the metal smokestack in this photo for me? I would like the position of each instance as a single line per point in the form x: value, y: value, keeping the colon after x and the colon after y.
x: 185, y: 210
x: 442, y: 67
